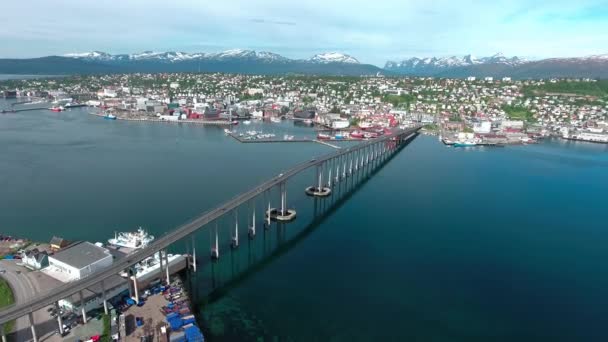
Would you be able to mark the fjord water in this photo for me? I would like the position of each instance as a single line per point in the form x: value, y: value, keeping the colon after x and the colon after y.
x: 441, y: 244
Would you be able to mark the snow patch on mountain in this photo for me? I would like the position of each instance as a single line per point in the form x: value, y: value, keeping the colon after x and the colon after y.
x: 452, y: 62
x: 333, y: 57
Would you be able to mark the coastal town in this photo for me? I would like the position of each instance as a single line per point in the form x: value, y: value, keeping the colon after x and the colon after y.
x: 463, y: 112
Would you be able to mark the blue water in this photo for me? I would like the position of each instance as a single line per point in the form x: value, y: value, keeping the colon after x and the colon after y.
x: 441, y: 244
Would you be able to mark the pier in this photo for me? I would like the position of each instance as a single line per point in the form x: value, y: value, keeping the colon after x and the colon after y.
x: 188, y: 121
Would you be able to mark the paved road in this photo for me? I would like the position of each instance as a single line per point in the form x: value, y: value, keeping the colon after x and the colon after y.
x: 183, y: 231
x: 25, y: 285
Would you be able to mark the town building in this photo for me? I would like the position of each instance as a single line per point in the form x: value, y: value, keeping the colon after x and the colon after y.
x: 79, y: 260
x: 35, y: 259
x: 58, y: 243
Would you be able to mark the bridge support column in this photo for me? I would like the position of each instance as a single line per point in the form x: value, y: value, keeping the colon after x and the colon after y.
x: 337, y: 170
x: 193, y: 253
x: 167, y: 269
x: 319, y: 190
x: 33, y: 327
x: 105, y: 299
x: 2, y: 332
x: 283, y: 214
x: 235, y: 237
x: 135, y: 288
x: 215, y: 249
x: 59, y: 318
x: 83, y: 310
x: 161, y: 268
x: 252, y: 226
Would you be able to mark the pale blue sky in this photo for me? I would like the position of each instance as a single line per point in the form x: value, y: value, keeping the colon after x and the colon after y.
x: 372, y: 31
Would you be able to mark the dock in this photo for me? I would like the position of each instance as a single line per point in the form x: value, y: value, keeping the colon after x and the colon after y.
x: 271, y: 140
x: 188, y: 121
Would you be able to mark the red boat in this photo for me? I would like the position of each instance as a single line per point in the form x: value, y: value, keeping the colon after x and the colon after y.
x: 356, y: 135
x: 322, y: 136
x: 56, y: 109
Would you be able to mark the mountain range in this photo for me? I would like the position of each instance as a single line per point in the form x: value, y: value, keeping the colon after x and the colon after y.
x: 500, y: 66
x: 332, y: 63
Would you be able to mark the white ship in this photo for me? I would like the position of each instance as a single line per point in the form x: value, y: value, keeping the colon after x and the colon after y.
x: 135, y: 240
x: 151, y: 266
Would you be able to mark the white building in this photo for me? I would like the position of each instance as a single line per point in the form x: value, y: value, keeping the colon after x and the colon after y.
x: 483, y: 127
x: 593, y: 137
x: 34, y: 259
x: 174, y: 85
x: 517, y: 124
x: 506, y: 79
x: 489, y: 79
x: 79, y: 260
x: 109, y: 92
x: 471, y: 78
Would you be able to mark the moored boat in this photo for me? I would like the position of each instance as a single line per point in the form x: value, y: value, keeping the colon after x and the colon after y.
x: 135, y: 240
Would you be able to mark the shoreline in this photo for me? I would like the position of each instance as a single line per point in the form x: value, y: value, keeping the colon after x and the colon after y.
x: 188, y: 121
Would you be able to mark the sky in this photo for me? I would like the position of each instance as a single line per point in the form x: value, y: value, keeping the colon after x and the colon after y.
x: 371, y: 31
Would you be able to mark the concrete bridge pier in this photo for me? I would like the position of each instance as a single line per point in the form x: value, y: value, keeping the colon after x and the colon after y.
x: 215, y: 249
x: 59, y: 319
x: 135, y: 289
x: 161, y: 267
x: 319, y: 190
x: 83, y: 310
x: 193, y: 253
x: 252, y: 226
x: 235, y: 238
x: 104, y: 297
x: 283, y: 214
x: 337, y: 162
x: 33, y: 327
x: 2, y: 332
x: 167, y: 268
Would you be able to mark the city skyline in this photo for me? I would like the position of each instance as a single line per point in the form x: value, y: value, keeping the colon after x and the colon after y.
x: 371, y: 32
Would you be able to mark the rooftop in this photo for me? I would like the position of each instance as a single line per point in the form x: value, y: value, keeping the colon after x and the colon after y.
x: 81, y: 254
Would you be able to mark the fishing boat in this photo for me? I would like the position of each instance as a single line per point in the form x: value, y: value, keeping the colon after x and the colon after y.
x: 56, y: 109
x: 466, y: 143
x: 275, y: 119
x: 322, y: 136
x: 246, y: 122
x: 227, y: 131
x: 150, y: 267
x: 109, y: 116
x: 135, y: 240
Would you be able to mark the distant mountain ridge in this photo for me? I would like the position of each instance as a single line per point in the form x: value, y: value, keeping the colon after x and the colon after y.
x: 234, y: 54
x: 331, y: 63
x: 500, y: 66
x: 230, y: 61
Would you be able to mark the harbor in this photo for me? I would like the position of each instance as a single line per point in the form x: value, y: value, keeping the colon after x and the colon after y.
x: 146, y: 302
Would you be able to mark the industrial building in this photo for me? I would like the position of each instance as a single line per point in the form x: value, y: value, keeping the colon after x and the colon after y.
x: 78, y: 261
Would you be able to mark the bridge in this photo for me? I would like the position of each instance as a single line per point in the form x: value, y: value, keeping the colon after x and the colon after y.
x: 330, y: 168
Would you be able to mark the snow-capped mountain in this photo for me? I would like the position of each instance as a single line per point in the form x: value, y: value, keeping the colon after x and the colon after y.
x: 333, y: 57
x: 499, y: 66
x: 435, y: 65
x: 234, y: 61
x: 234, y: 54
